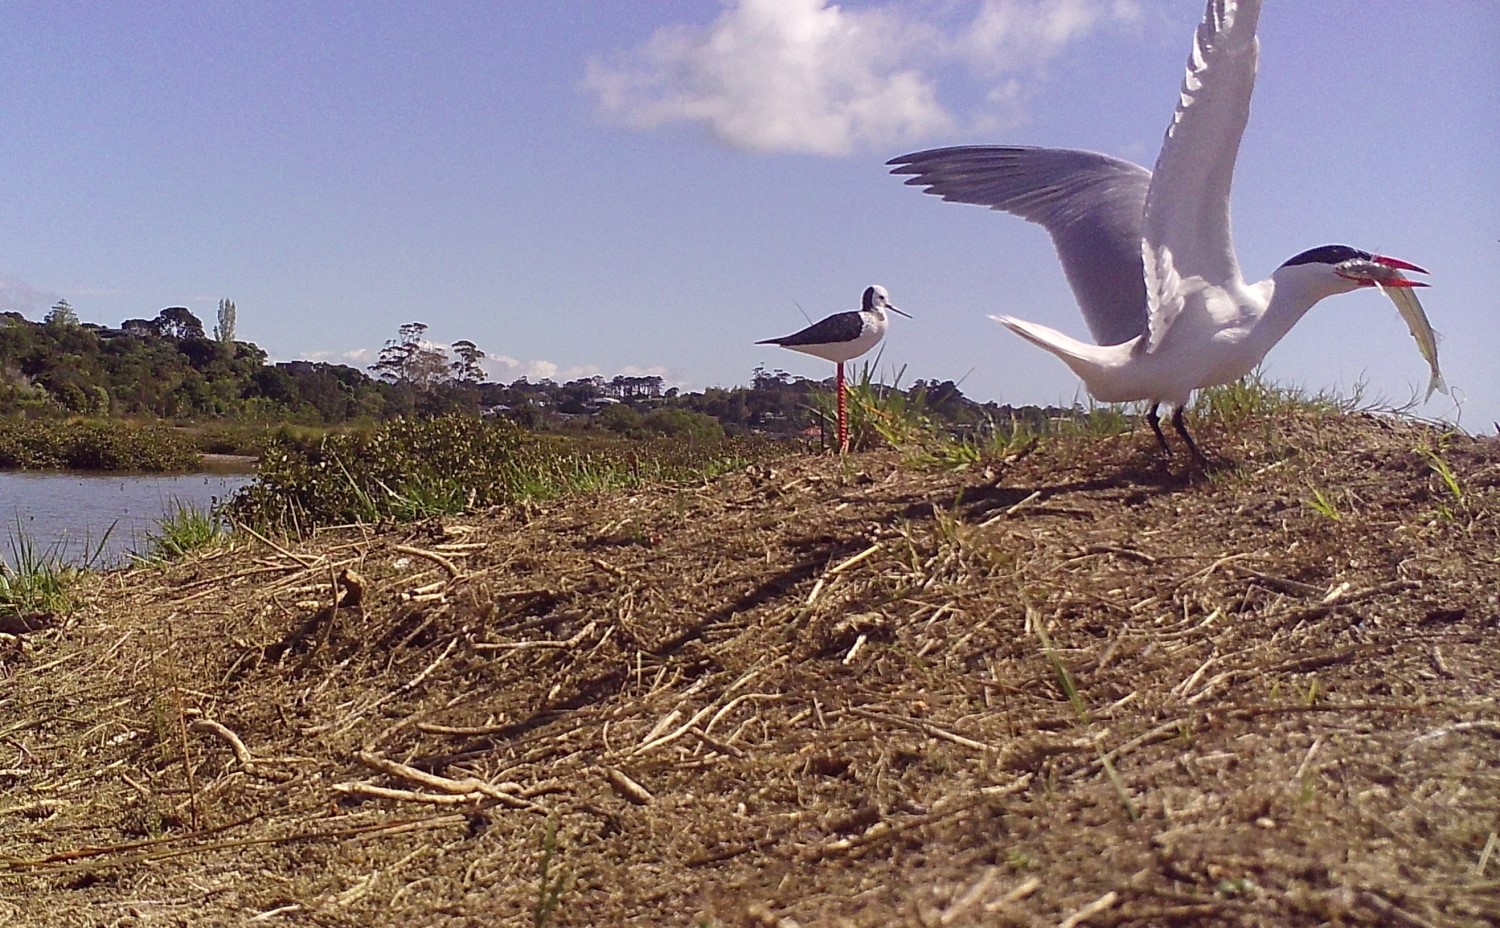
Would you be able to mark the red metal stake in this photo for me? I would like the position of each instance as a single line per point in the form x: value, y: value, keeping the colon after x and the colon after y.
x: 843, y: 414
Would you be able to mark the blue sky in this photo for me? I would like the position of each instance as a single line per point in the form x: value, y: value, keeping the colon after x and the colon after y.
x: 650, y: 187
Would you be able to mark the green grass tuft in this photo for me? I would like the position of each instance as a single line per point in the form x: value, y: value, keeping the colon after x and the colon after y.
x: 183, y: 529
x: 37, y: 580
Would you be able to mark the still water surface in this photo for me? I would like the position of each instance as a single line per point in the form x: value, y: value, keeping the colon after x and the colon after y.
x: 72, y: 513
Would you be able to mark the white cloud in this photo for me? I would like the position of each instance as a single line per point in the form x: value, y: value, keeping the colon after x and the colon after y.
x: 775, y: 75
x: 1018, y: 35
x: 358, y: 357
x: 505, y: 369
x: 810, y: 76
x: 501, y: 368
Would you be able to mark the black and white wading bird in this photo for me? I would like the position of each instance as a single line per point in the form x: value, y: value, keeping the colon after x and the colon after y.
x: 1149, y: 255
x: 844, y: 337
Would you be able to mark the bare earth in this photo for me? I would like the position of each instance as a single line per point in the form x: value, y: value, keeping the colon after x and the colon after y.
x: 1078, y: 687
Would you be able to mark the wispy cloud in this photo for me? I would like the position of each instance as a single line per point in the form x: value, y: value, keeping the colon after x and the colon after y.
x: 95, y: 293
x: 505, y: 369
x: 501, y: 368
x: 811, y: 76
x: 18, y: 296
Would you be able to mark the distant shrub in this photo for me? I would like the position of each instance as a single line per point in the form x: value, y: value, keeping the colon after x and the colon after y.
x: 93, y: 445
x: 415, y: 468
x: 684, y: 424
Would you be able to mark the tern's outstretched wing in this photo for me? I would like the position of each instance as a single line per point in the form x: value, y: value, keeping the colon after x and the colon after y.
x: 1186, y: 226
x: 1092, y: 205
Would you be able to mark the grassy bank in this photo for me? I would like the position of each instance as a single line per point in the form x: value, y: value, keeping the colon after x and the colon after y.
x: 1073, y: 684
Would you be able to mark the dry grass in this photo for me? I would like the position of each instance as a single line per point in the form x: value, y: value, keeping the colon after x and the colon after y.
x: 1071, y: 688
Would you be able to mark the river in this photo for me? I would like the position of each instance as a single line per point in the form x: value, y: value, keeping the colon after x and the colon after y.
x: 74, y: 515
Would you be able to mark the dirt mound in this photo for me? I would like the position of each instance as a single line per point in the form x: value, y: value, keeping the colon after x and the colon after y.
x: 1073, y: 687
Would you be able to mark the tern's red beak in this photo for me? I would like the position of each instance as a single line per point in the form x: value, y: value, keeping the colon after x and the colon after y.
x: 1400, y: 265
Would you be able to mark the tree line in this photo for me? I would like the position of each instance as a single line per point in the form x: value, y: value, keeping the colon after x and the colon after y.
x: 169, y: 367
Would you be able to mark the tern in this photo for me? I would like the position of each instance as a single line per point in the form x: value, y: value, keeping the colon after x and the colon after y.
x: 1149, y: 255
x: 844, y: 337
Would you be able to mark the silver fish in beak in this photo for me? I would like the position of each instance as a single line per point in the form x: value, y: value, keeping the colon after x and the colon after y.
x: 1386, y: 273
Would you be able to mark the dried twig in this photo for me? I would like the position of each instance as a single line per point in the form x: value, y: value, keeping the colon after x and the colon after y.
x: 241, y: 753
x: 851, y: 561
x: 627, y: 788
x: 303, y: 559
x: 453, y: 569
x: 119, y: 855
x: 941, y: 810
x: 1007, y: 513
x: 469, y: 787
x: 926, y: 728
x: 407, y: 795
x: 1105, y: 901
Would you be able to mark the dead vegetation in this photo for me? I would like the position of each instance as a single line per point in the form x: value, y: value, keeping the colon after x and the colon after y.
x: 1070, y: 688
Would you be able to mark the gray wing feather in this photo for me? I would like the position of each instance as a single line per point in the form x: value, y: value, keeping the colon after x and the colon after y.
x: 1091, y: 204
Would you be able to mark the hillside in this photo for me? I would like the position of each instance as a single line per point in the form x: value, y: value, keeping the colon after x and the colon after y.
x: 1073, y: 687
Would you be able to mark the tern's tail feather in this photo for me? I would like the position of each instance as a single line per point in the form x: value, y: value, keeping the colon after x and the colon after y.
x: 1112, y: 373
x: 1089, y: 362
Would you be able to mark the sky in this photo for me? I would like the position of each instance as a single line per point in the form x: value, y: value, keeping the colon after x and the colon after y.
x: 641, y: 188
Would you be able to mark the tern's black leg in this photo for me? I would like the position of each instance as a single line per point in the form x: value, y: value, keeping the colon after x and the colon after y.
x: 1181, y: 427
x: 1155, y: 421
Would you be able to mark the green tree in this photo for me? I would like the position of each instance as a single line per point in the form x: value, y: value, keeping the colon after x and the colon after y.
x: 178, y: 322
x: 618, y: 417
x: 224, y: 331
x: 398, y: 357
x: 466, y: 358
x: 415, y: 369
x: 683, y: 424
x: 62, y: 314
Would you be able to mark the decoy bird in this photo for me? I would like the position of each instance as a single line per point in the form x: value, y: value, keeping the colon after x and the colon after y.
x: 844, y: 337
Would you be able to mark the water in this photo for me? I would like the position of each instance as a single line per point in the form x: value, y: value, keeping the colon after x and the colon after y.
x: 72, y: 513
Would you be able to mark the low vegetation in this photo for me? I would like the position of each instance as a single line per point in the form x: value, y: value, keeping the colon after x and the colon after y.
x: 417, y: 468
x: 91, y: 444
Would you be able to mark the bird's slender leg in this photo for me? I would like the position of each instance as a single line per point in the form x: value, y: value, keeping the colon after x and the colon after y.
x: 843, y: 413
x: 1181, y: 427
x: 1155, y: 421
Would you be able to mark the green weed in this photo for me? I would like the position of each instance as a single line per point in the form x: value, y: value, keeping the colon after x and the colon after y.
x: 1075, y: 699
x: 1323, y: 505
x: 880, y: 415
x: 550, y: 889
x: 1444, y: 472
x: 89, y: 444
